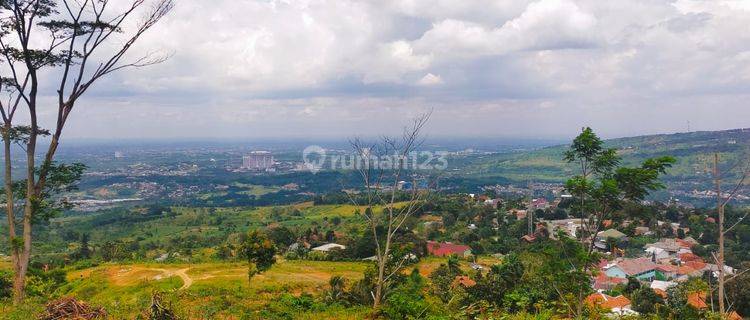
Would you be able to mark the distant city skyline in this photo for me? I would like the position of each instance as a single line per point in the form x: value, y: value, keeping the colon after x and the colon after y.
x: 492, y: 68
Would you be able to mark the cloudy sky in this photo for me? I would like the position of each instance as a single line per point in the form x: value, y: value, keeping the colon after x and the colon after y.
x: 486, y: 68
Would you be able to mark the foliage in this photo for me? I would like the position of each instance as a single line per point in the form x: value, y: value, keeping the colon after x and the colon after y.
x: 645, y: 300
x: 408, y: 301
x: 259, y: 251
x: 603, y: 186
x: 6, y: 284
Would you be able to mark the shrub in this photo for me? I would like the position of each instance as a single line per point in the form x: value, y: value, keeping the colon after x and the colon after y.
x: 6, y: 284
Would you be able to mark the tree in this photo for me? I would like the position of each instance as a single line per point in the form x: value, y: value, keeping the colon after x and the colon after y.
x: 77, y: 39
x: 603, y: 186
x: 632, y: 285
x: 738, y: 290
x: 259, y: 251
x: 381, y: 189
x: 84, y: 252
x: 645, y: 300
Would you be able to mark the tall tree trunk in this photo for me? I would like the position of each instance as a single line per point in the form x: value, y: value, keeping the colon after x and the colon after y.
x: 19, y: 286
x: 10, y: 207
x: 383, y: 261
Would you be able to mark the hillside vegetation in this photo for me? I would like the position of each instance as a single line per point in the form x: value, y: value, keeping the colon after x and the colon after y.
x: 693, y: 151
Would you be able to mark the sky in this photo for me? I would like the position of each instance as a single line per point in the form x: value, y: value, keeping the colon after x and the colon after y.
x: 483, y: 68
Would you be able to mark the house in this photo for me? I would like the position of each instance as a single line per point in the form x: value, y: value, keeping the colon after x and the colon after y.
x: 662, y: 285
x: 463, y: 281
x: 686, y: 272
x: 569, y: 226
x: 641, y: 268
x: 689, y: 257
x: 643, y: 231
x: 657, y: 254
x: 328, y: 247
x: 669, y: 271
x: 697, y: 300
x: 672, y: 246
x: 444, y: 249
x: 602, y: 282
x: 607, y: 302
x: 603, y: 236
x: 539, y: 204
x: 688, y: 242
x: 520, y: 214
x: 610, y: 233
x: 699, y: 266
x: 495, y: 203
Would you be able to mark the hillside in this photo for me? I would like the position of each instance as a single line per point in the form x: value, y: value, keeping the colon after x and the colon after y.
x: 692, y: 171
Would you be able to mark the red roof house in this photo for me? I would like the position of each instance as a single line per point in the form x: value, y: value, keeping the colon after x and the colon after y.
x: 463, y: 281
x: 443, y: 249
x: 697, y: 300
x: 608, y: 302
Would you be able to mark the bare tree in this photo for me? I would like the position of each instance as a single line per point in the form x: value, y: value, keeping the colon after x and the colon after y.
x: 722, y: 199
x: 381, y: 190
x: 82, y: 41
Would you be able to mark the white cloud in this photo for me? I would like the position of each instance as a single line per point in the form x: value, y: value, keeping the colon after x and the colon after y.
x: 430, y: 80
x: 319, y: 63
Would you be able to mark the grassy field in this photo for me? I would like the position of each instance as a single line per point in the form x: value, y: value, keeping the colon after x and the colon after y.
x: 211, y: 290
x: 200, y: 291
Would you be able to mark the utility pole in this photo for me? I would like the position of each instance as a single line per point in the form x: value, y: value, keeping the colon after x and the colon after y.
x: 720, y: 210
x: 530, y: 208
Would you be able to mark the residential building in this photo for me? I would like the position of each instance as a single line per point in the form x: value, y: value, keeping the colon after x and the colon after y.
x: 641, y: 268
x: 328, y: 247
x: 443, y: 249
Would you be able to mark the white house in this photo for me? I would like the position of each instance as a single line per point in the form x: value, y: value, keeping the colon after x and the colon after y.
x: 657, y: 253
x: 328, y: 247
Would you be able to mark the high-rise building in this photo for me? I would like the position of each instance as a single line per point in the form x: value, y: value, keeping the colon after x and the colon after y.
x: 258, y: 160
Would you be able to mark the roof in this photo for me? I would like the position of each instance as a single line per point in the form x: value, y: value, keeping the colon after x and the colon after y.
x: 603, y: 282
x: 686, y: 271
x: 328, y: 247
x: 691, y: 240
x: 606, y: 301
x: 662, y: 285
x: 463, y: 281
x: 734, y: 316
x: 661, y: 293
x: 637, y: 266
x: 668, y: 268
x: 689, y: 256
x: 697, y: 300
x: 442, y: 249
x: 670, y: 245
x: 697, y: 265
x: 611, y: 233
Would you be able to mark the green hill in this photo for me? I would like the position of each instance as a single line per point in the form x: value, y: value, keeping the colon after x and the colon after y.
x: 693, y: 151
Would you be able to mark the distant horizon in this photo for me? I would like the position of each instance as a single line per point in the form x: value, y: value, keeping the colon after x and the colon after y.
x: 430, y: 139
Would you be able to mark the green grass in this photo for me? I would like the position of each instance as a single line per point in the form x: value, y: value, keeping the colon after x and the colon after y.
x: 218, y: 291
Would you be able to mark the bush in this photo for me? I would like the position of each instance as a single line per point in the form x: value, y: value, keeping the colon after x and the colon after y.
x: 6, y: 284
x: 44, y: 284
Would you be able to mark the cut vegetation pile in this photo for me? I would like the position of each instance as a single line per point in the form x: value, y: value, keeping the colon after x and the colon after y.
x: 72, y: 309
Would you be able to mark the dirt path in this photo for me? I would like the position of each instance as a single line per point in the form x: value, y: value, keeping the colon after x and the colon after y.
x: 182, y: 273
x: 186, y: 280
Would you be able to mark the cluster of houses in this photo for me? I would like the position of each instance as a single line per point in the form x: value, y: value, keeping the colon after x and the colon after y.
x: 664, y: 264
